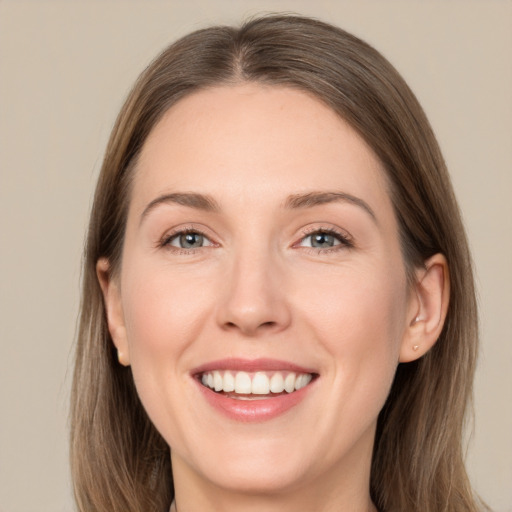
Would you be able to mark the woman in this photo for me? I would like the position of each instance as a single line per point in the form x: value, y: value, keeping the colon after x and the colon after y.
x: 278, y: 309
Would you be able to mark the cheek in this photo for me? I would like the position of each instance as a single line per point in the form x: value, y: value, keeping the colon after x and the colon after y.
x: 369, y: 300
x: 164, y: 312
x: 359, y: 319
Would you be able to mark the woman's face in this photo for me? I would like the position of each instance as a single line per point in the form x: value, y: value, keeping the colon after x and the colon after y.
x: 261, y: 254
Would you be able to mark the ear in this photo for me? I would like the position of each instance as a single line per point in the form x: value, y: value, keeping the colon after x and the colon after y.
x: 114, y: 310
x: 428, y: 308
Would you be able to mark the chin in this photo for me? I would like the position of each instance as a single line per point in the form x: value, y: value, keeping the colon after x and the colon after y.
x: 250, y: 466
x: 254, y: 477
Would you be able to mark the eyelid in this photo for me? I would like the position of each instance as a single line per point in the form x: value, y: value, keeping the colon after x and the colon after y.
x: 172, y: 233
x: 345, y: 239
x: 170, y: 241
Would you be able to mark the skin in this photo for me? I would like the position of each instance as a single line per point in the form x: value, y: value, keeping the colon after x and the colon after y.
x: 257, y: 289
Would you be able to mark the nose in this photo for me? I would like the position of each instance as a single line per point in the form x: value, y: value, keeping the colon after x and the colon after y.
x: 253, y: 300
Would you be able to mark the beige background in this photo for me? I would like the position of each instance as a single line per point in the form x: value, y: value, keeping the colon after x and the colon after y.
x: 65, y: 67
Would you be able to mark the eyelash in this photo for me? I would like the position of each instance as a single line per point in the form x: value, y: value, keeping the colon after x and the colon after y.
x: 165, y: 242
x: 345, y: 241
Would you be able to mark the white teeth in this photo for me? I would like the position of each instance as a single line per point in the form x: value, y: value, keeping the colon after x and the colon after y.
x: 243, y: 383
x: 277, y: 383
x: 289, y: 383
x: 229, y: 382
x: 217, y: 381
x: 259, y: 383
x: 302, y: 381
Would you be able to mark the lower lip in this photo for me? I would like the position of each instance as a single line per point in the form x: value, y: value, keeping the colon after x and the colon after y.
x: 257, y: 410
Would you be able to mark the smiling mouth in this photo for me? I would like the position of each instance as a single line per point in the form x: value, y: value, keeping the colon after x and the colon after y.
x: 259, y: 385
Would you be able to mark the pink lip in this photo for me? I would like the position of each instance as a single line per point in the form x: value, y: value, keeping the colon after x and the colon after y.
x: 252, y: 410
x: 251, y: 365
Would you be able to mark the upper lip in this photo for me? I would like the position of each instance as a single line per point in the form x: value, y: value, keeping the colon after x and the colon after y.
x: 251, y: 365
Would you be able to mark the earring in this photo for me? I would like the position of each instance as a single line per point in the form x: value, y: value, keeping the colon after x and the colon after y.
x: 415, y: 347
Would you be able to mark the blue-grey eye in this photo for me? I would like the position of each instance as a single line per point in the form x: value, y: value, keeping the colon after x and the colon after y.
x: 188, y: 240
x: 323, y: 240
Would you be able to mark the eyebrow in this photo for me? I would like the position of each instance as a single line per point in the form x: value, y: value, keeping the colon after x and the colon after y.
x: 310, y: 199
x: 295, y: 201
x: 190, y: 199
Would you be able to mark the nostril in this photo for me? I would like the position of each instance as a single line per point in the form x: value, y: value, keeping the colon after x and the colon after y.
x: 251, y: 329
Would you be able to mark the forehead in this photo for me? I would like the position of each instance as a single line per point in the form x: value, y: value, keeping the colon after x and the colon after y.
x: 252, y: 139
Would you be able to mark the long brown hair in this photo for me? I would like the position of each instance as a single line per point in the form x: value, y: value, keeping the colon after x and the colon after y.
x: 119, y: 460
